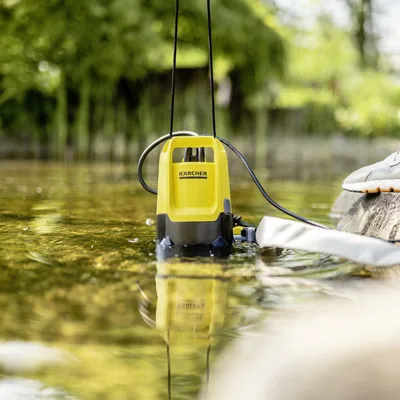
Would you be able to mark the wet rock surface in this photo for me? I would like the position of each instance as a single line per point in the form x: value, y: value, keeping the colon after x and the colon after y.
x: 376, y: 215
x: 343, y: 203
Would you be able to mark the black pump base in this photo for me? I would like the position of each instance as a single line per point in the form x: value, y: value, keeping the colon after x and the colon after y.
x: 218, y: 233
x: 190, y: 251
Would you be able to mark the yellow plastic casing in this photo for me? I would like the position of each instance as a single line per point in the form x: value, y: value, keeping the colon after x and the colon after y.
x: 193, y: 191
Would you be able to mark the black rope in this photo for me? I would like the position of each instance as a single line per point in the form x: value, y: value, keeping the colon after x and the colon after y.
x: 171, y: 129
x: 211, y: 68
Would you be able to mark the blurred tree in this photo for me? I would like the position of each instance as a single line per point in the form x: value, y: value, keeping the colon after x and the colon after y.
x: 333, y: 89
x: 362, y: 14
x: 78, y: 53
x: 80, y: 42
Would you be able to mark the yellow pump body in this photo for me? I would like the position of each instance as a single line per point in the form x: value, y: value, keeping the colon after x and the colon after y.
x: 193, y: 202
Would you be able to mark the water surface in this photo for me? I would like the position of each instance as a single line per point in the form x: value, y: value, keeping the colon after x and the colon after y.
x: 79, y: 276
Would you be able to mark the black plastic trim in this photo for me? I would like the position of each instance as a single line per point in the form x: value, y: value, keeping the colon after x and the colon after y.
x: 195, y: 233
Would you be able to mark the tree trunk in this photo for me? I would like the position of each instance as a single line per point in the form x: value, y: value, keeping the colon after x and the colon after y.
x: 109, y: 124
x: 362, y: 14
x: 261, y: 130
x: 361, y: 33
x: 61, y: 121
x: 82, y: 120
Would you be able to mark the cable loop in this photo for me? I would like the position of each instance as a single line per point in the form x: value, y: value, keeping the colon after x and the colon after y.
x: 241, y: 157
x: 150, y: 148
x: 189, y: 133
x: 262, y: 190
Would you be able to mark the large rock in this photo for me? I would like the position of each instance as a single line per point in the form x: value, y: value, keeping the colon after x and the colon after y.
x: 376, y: 215
x: 344, y: 348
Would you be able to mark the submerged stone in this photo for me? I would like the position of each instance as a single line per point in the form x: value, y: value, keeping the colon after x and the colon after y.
x: 20, y: 357
x: 29, y: 389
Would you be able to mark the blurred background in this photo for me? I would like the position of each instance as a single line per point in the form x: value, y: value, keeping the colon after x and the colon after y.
x: 309, y: 90
x: 307, y: 83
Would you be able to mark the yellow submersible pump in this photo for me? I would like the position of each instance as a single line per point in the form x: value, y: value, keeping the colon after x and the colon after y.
x: 194, y: 201
x: 194, y: 210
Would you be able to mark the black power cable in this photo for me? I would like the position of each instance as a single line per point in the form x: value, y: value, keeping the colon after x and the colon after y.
x: 241, y: 157
x: 149, y: 149
x: 188, y: 133
x: 262, y: 190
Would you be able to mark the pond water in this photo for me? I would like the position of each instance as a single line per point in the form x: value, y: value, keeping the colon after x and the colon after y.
x: 86, y: 308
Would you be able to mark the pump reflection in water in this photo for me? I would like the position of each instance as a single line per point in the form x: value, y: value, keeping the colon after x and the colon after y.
x: 190, y: 312
x: 189, y: 308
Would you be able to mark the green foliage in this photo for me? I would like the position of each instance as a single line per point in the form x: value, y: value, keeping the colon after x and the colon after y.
x: 94, y: 48
x: 244, y: 34
x: 90, y: 74
x: 373, y: 102
x: 124, y: 38
x: 324, y: 74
